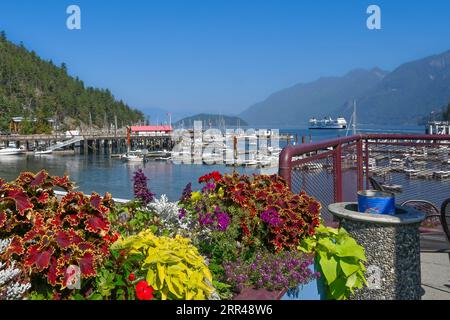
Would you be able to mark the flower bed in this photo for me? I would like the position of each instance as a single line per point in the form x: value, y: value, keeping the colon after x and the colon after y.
x: 238, y: 234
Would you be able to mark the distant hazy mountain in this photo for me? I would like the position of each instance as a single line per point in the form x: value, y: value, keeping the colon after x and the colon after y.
x: 408, y: 93
x: 213, y: 120
x: 402, y: 96
x: 160, y: 115
x: 295, y: 105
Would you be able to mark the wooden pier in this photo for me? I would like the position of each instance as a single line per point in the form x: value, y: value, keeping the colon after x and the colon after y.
x: 89, y: 142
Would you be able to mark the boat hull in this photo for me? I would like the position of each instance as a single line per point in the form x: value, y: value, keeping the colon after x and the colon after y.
x: 328, y: 128
x: 12, y: 152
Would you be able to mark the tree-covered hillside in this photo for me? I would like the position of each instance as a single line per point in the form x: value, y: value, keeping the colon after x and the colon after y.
x: 39, y: 90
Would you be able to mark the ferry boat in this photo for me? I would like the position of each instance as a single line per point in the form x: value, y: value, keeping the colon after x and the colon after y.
x: 328, y: 123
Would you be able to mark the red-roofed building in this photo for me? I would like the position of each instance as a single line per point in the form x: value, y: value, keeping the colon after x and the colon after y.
x: 151, y: 130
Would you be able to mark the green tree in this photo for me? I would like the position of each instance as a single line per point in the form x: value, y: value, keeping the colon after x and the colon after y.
x: 34, y: 88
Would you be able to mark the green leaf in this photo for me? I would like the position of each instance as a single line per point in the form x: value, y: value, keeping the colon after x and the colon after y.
x: 351, y: 281
x: 328, y: 267
x: 326, y: 230
x: 96, y: 296
x: 348, y: 247
x: 307, y: 245
x: 327, y: 244
x: 348, y: 266
x: 338, y: 289
x: 150, y: 276
x: 120, y: 282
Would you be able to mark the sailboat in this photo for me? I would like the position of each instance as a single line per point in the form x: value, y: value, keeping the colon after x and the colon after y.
x: 352, y: 121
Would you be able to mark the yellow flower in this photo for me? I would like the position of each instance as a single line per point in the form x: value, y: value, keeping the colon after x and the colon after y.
x: 196, y: 196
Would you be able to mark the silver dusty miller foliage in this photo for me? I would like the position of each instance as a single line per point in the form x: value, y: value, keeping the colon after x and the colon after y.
x: 12, y: 287
x: 168, y: 213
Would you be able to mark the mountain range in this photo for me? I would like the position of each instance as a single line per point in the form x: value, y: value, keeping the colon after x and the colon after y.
x: 213, y: 120
x: 402, y: 96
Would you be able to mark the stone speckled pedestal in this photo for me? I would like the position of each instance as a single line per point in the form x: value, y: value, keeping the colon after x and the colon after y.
x: 392, y: 244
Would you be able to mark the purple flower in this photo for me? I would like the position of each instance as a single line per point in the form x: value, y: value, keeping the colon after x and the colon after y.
x: 140, y: 187
x: 187, y: 192
x: 271, y: 217
x: 205, y: 219
x: 210, y: 186
x: 182, y: 213
x: 285, y: 270
x: 223, y: 221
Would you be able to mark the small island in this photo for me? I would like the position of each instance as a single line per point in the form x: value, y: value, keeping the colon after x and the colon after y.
x: 212, y: 120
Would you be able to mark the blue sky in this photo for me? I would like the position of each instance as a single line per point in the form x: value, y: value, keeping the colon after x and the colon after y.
x: 222, y: 55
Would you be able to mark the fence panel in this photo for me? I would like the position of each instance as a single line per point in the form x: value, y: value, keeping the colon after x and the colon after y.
x: 411, y: 166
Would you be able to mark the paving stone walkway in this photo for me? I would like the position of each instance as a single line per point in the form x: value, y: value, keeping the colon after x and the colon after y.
x: 435, y: 276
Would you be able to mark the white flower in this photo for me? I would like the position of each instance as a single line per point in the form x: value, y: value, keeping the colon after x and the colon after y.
x: 11, y: 287
x: 169, y: 215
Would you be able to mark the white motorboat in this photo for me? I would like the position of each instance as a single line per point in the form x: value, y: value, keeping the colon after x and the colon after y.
x: 134, y: 156
x: 8, y: 151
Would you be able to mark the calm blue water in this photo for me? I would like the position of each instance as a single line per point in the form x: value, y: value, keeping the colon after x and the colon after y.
x: 101, y: 174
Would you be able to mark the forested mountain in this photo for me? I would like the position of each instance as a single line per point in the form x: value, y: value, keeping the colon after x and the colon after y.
x: 213, y: 120
x: 295, y: 105
x: 38, y: 89
x: 406, y: 95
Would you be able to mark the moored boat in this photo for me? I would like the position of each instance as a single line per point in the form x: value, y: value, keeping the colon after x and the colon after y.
x: 328, y: 123
x: 9, y: 151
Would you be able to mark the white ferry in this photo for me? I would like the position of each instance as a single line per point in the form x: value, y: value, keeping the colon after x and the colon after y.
x: 327, y: 123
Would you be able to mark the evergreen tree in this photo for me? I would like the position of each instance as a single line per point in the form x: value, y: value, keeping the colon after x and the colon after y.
x: 38, y: 89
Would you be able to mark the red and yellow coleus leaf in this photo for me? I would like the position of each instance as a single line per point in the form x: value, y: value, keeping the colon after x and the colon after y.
x: 38, y: 257
x: 21, y: 199
x: 63, y: 239
x: 39, y: 179
x: 63, y: 182
x: 15, y: 247
x: 87, y: 265
x: 3, y: 218
x: 97, y: 225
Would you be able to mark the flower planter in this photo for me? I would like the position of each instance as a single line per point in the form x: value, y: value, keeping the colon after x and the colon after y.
x: 314, y: 290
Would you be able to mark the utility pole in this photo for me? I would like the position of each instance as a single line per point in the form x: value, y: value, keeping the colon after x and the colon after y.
x: 90, y: 122
x: 170, y: 118
x: 115, y: 125
x: 105, y: 122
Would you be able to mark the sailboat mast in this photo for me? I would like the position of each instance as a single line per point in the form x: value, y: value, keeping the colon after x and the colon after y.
x: 354, y: 117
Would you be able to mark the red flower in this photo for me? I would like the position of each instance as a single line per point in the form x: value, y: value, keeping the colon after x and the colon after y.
x: 207, y: 177
x: 144, y: 291
x: 131, y: 277
x: 115, y: 237
x: 216, y: 175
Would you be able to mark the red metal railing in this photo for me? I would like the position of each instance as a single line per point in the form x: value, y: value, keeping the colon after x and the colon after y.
x: 414, y: 166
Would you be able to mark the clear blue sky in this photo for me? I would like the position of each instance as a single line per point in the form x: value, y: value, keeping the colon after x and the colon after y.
x: 222, y: 55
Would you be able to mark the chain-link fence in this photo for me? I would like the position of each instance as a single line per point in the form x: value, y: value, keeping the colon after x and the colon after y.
x: 414, y: 167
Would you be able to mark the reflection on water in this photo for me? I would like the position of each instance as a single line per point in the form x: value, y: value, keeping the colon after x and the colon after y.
x: 102, y: 174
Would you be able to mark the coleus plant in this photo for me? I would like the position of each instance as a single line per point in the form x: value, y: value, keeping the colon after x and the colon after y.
x: 267, y: 200
x: 49, y: 235
x: 289, y: 217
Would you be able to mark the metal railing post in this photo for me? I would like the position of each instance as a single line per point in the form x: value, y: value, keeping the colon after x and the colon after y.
x: 337, y: 173
x: 285, y: 165
x: 366, y: 160
x: 359, y: 159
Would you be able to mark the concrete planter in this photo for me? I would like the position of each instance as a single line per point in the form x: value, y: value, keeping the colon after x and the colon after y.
x: 392, y: 245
